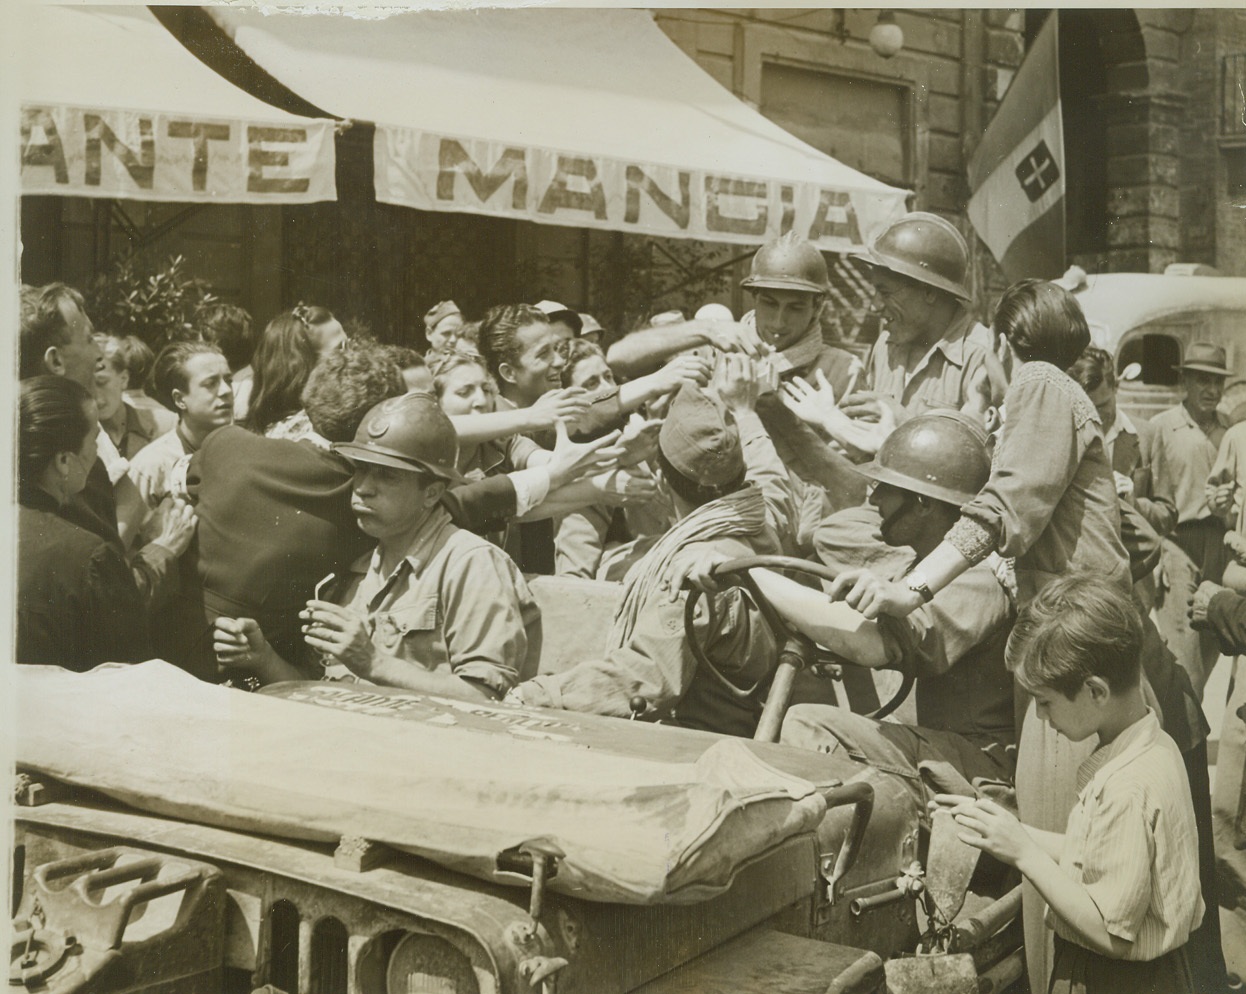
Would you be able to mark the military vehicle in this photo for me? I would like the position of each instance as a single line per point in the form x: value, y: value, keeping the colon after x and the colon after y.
x: 332, y: 838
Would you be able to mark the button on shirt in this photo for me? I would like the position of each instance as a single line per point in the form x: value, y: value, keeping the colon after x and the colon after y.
x: 1184, y: 457
x: 454, y: 604
x: 1132, y: 843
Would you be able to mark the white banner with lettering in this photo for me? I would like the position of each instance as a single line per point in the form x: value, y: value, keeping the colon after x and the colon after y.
x: 175, y: 157
x: 441, y: 173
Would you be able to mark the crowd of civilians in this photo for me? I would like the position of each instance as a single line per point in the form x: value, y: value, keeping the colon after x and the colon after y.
x: 254, y: 505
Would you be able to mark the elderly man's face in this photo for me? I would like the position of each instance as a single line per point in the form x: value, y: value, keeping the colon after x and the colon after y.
x: 1202, y: 392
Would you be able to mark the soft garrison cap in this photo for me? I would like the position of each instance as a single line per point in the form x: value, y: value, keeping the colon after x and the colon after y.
x: 698, y: 439
x: 924, y: 247
x: 559, y: 312
x: 408, y: 432
x: 937, y: 455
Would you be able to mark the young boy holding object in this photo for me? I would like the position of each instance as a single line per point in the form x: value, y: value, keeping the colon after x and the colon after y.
x: 1121, y: 883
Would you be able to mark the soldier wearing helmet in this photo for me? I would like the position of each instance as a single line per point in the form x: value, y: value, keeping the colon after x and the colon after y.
x: 931, y: 353
x: 954, y: 644
x: 433, y: 608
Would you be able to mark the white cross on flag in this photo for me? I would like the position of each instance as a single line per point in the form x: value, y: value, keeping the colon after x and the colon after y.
x: 1017, y: 173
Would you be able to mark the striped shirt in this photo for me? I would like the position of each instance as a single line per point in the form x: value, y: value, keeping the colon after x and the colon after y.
x: 1131, y: 842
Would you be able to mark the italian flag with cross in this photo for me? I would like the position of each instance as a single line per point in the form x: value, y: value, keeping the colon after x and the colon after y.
x: 1017, y: 173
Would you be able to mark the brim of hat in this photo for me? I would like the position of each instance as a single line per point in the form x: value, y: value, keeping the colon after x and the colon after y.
x: 381, y: 457
x: 916, y: 273
x: 1200, y: 367
x: 883, y: 474
x: 570, y: 317
x: 778, y: 283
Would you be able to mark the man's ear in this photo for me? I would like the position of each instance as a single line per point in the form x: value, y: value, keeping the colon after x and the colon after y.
x: 507, y: 372
x: 53, y: 362
x: 433, y: 492
x: 176, y: 396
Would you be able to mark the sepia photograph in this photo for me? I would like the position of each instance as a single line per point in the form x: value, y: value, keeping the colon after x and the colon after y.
x: 588, y: 499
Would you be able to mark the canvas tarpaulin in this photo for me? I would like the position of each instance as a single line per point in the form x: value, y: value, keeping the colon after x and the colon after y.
x: 112, y: 105
x: 585, y: 118
x: 457, y: 782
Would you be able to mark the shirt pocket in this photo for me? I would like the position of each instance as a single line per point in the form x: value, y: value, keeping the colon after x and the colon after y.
x: 400, y: 631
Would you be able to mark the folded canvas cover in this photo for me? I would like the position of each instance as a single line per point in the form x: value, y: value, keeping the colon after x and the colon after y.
x: 670, y: 820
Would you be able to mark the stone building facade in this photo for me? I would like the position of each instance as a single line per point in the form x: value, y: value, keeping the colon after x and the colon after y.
x: 1155, y: 159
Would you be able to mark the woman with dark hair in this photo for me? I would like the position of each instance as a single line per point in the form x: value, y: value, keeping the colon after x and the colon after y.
x: 77, y: 603
x: 284, y: 358
x: 1050, y: 502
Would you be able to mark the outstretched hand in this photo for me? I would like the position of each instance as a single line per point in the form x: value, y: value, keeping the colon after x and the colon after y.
x: 570, y: 461
x: 568, y: 404
x: 813, y: 405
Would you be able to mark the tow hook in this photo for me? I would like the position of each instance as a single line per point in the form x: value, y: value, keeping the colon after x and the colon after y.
x: 542, y: 971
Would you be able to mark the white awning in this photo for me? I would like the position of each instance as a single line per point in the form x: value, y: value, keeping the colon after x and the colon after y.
x: 114, y: 106
x: 587, y: 118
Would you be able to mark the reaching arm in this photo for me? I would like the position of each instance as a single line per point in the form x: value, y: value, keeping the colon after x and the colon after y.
x: 568, y: 404
x: 832, y: 625
x: 643, y: 352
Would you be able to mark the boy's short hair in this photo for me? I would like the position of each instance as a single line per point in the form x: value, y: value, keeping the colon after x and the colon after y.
x: 1080, y: 625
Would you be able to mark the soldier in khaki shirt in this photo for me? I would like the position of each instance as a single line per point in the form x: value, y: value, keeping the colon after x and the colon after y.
x: 435, y: 608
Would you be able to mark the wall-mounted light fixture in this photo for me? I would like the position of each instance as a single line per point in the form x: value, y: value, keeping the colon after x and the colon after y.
x: 886, y: 37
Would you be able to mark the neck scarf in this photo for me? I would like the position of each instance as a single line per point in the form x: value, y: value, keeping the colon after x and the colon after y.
x: 740, y: 513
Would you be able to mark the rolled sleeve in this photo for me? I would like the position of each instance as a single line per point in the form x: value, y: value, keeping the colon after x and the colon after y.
x: 489, y: 615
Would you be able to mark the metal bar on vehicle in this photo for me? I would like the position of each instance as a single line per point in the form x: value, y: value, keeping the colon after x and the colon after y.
x: 973, y: 931
x: 861, y: 795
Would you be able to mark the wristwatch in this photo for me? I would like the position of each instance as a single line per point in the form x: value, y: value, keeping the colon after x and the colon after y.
x: 917, y: 583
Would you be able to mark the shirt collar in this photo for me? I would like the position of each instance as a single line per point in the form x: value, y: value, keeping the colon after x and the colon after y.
x: 1187, y: 419
x: 1121, y: 426
x: 1121, y: 751
x: 424, y: 546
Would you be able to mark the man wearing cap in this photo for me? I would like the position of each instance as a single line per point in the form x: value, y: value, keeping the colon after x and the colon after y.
x: 649, y: 669
x: 433, y: 608
x: 1189, y: 438
x: 565, y: 322
x: 442, y: 324
x: 931, y: 353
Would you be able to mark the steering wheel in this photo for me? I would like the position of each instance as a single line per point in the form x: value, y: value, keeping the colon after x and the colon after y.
x: 736, y: 573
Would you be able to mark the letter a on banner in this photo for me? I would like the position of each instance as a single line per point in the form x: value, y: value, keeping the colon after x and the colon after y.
x: 1017, y: 174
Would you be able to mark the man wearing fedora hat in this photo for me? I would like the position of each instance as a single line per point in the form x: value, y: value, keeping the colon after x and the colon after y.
x: 1189, y: 438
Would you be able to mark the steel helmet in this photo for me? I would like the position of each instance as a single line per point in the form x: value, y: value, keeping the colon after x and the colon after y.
x: 408, y: 432
x: 923, y: 247
x: 940, y: 455
x: 788, y: 263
